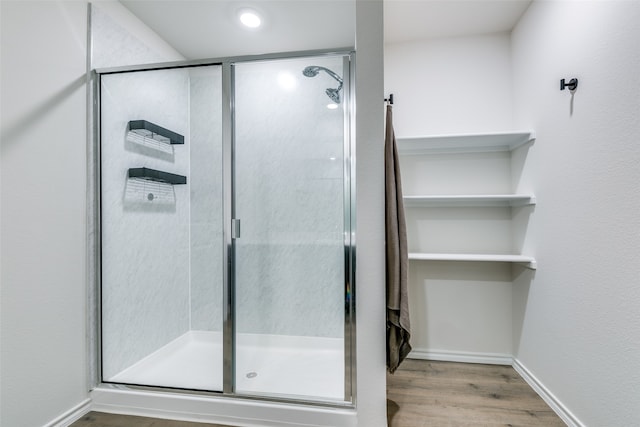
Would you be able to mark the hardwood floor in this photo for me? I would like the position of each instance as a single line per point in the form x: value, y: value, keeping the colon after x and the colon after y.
x: 425, y: 393
x: 100, y: 419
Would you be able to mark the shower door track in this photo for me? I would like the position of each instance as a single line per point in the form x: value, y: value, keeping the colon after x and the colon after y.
x: 228, y: 144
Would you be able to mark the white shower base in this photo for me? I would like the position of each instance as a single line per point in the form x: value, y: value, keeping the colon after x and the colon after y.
x: 273, y: 365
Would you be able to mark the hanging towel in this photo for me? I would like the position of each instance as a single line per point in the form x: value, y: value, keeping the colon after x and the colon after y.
x: 397, y: 261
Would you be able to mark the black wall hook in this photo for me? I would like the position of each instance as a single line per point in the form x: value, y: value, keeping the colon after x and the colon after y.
x: 572, y: 85
x: 390, y: 99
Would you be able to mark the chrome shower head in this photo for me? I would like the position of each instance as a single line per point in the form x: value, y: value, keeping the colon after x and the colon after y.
x: 311, y: 71
x: 334, y: 94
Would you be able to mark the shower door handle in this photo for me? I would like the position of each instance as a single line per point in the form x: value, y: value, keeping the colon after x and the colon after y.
x: 235, y: 228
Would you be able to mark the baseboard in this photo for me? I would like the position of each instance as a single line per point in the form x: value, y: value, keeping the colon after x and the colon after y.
x: 462, y: 356
x: 72, y: 415
x: 553, y: 402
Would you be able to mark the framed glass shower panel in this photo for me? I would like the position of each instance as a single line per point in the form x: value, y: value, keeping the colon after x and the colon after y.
x: 289, y: 201
x: 161, y: 228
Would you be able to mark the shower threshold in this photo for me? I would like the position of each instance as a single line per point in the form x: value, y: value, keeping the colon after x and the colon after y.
x: 273, y: 365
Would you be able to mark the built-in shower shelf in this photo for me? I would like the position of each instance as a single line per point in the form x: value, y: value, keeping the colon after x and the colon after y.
x: 464, y: 200
x: 147, y: 131
x: 498, y: 141
x: 528, y: 261
x: 157, y: 176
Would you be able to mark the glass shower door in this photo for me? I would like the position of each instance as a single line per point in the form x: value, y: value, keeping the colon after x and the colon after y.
x: 187, y: 152
x: 289, y: 199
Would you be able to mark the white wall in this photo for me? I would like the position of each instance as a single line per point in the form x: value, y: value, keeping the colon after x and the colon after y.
x: 451, y: 86
x: 580, y: 318
x: 370, y: 293
x: 43, y: 163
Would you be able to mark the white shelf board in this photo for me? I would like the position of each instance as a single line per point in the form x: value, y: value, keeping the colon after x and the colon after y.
x: 496, y: 141
x: 470, y: 200
x: 529, y: 262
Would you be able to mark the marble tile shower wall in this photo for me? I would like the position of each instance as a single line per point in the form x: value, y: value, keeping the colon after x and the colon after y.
x: 132, y: 292
x: 145, y: 245
x: 114, y: 46
x: 206, y: 187
x: 289, y: 189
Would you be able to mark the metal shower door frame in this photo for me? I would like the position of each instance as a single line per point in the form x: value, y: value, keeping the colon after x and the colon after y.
x: 228, y: 158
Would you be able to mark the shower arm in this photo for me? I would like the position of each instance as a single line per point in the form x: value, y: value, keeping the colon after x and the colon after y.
x: 334, y: 75
x: 313, y: 70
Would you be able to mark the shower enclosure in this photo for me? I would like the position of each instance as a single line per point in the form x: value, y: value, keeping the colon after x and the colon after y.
x: 226, y: 230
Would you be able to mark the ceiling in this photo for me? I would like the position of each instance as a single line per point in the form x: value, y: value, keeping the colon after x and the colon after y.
x: 410, y: 20
x: 209, y: 28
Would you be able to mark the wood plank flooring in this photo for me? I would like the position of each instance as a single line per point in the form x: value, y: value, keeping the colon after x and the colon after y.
x: 424, y: 393
x: 100, y: 419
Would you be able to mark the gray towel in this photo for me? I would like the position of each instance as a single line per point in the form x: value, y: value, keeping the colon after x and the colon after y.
x: 397, y: 260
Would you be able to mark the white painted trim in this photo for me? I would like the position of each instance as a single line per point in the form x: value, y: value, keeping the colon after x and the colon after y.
x: 218, y: 410
x: 551, y: 400
x: 462, y: 356
x: 72, y: 415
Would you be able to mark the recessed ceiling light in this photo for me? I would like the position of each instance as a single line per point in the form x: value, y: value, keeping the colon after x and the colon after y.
x: 332, y: 106
x: 250, y: 18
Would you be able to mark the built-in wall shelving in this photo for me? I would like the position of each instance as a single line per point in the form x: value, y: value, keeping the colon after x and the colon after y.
x: 527, y: 261
x: 495, y: 141
x: 467, y: 143
x: 470, y: 200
